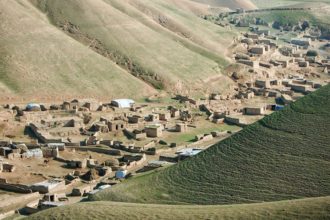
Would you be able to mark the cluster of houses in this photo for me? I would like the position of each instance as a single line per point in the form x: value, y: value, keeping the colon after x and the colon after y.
x: 59, y: 130
x: 86, y: 170
x: 83, y: 124
x: 271, y: 70
x: 230, y: 108
x: 121, y: 115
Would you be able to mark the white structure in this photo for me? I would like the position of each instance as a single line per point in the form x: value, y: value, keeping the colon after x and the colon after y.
x: 48, y: 186
x: 122, y: 103
x: 59, y: 146
x: 33, y: 107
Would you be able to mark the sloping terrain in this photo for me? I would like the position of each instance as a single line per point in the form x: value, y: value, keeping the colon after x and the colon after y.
x: 317, y: 16
x: 286, y: 3
x: 103, y: 48
x: 284, y: 156
x: 315, y: 208
x: 38, y: 60
x: 192, y: 6
x: 233, y: 4
x: 136, y: 36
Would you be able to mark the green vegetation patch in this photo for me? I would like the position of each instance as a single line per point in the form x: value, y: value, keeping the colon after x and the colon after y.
x: 316, y: 208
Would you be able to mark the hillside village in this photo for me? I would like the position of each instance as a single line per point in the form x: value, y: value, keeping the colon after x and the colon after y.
x: 54, y: 154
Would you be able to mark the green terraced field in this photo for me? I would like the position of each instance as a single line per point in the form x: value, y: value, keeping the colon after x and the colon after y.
x: 284, y: 156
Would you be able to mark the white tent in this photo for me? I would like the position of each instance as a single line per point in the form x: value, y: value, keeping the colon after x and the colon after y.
x: 122, y: 103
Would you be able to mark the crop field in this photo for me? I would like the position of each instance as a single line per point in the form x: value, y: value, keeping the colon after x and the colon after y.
x: 284, y: 156
x: 314, y: 208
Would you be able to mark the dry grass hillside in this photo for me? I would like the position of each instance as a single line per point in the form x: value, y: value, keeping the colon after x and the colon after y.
x: 291, y: 3
x: 102, y: 48
x: 38, y: 60
x: 232, y: 4
x: 125, y: 32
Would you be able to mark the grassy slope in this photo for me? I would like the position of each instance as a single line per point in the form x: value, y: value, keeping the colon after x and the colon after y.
x: 210, y: 41
x: 131, y: 41
x: 281, y: 3
x: 233, y: 4
x: 39, y: 60
x: 293, y: 17
x: 318, y: 16
x: 284, y: 156
x: 315, y: 208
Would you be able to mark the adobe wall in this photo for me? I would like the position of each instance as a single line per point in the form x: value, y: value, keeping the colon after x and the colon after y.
x: 96, y: 150
x: 17, y: 202
x: 15, y: 187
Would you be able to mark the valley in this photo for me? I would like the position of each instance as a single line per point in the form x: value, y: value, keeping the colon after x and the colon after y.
x: 164, y: 109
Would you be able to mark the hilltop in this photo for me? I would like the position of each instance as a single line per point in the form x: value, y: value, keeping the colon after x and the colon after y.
x: 101, y: 48
x: 284, y: 156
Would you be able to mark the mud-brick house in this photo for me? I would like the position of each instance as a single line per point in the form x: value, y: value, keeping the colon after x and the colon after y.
x: 286, y: 99
x: 181, y: 127
x: 6, y: 167
x: 100, y: 126
x: 263, y: 83
x: 48, y: 186
x: 252, y: 63
x: 4, y: 151
x: 117, y: 125
x: 154, y: 130
x: 175, y: 113
x: 256, y: 110
x: 77, y: 164
x: 165, y: 116
x: 257, y: 50
x: 135, y: 119
x: 153, y: 117
x: 51, y: 152
x: 136, y: 134
x: 301, y: 41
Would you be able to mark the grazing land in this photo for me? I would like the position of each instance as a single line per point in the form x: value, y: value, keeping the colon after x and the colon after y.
x: 85, y: 46
x: 284, y: 3
x: 283, y: 156
x: 314, y: 208
x: 246, y: 4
